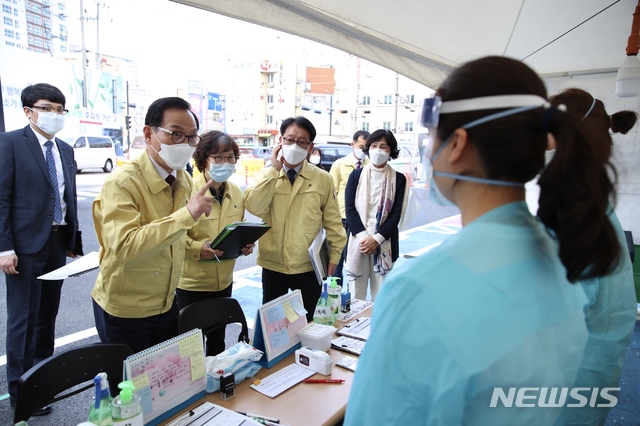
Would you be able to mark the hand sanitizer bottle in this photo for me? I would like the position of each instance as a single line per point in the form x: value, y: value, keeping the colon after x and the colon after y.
x: 126, y: 409
x: 334, y: 291
x: 323, y: 313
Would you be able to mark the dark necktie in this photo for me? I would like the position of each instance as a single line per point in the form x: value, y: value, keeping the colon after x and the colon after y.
x: 57, y: 208
x: 292, y: 175
x: 170, y: 179
x: 358, y: 164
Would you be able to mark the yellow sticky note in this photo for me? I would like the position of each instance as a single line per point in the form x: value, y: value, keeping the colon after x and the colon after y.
x: 197, y: 366
x: 142, y: 381
x: 290, y: 313
x: 191, y: 345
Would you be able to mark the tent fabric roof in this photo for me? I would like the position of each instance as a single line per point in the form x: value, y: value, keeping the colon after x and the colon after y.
x: 425, y: 39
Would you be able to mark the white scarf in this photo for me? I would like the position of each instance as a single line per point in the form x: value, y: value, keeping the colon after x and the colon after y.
x: 383, y: 262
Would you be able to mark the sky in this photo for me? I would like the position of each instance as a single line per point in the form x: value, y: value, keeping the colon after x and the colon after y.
x: 159, y: 34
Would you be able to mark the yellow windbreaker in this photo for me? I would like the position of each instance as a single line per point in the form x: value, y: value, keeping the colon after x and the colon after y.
x: 295, y: 213
x: 141, y: 230
x: 211, y: 276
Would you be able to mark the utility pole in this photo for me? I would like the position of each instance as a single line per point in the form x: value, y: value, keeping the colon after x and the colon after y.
x: 127, y: 120
x: 98, y: 36
x: 395, y: 115
x: 84, y: 58
x: 330, y: 113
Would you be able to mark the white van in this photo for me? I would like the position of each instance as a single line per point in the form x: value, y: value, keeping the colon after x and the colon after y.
x: 94, y: 152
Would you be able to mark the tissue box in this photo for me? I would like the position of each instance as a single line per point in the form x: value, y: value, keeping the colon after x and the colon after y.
x: 317, y: 336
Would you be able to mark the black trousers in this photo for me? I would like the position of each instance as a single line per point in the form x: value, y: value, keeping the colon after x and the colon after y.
x: 215, y: 340
x: 276, y: 284
x: 338, y: 271
x: 32, y: 308
x: 138, y: 333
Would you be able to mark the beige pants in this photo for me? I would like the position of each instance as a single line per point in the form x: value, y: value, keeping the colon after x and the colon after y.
x: 359, y: 285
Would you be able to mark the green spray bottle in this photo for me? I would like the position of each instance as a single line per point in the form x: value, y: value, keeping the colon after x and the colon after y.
x: 126, y: 408
x: 100, y: 411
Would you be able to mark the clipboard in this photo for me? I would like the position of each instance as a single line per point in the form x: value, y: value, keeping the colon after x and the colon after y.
x: 237, y: 235
x: 168, y: 376
x: 319, y: 255
x: 80, y: 266
x: 275, y: 331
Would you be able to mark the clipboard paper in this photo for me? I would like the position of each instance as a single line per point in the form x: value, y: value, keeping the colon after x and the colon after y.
x: 168, y: 376
x: 237, y: 235
x: 319, y: 255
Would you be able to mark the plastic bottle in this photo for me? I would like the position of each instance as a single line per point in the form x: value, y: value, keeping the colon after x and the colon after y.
x: 126, y: 408
x: 334, y: 291
x: 323, y: 313
x: 100, y: 411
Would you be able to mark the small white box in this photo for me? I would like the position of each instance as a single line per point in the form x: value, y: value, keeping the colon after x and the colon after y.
x: 317, y: 336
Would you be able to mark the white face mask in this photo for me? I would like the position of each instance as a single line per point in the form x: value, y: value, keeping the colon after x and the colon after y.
x: 378, y: 156
x: 50, y: 122
x: 358, y: 153
x: 314, y: 159
x: 175, y: 156
x: 293, y: 154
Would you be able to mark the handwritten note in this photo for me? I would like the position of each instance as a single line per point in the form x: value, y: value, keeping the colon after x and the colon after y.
x: 278, y: 382
x: 197, y: 366
x: 275, y: 314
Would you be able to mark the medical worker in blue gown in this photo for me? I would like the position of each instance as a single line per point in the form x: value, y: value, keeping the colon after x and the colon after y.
x: 493, y: 309
x: 611, y: 314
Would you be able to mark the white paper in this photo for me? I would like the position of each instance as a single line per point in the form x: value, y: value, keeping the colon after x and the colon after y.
x: 278, y: 382
x: 86, y: 263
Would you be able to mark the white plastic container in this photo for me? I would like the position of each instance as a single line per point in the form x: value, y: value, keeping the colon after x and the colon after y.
x: 317, y: 336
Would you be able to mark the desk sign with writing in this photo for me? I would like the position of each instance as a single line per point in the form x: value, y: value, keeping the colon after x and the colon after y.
x: 276, y: 328
x: 168, y: 376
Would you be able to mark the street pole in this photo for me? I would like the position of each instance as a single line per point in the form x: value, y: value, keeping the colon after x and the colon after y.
x: 395, y: 115
x: 128, y: 130
x: 1, y: 110
x: 330, y: 113
x: 84, y: 58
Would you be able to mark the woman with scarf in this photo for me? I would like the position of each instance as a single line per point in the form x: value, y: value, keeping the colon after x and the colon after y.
x: 374, y: 199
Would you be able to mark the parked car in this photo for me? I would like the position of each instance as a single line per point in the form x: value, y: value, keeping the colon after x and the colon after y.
x: 408, y: 162
x: 138, y: 145
x: 331, y: 152
x: 94, y: 152
x: 263, y: 152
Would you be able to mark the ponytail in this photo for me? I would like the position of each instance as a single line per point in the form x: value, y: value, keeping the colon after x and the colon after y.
x: 623, y: 121
x: 575, y: 190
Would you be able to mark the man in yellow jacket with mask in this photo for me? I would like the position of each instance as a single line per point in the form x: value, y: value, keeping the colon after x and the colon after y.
x: 296, y: 199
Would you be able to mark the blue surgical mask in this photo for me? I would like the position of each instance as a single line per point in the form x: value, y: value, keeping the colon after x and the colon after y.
x: 221, y: 172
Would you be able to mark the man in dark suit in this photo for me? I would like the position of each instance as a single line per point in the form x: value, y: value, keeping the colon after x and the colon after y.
x: 38, y: 227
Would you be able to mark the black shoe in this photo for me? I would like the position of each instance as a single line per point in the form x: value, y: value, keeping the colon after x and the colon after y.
x: 43, y: 411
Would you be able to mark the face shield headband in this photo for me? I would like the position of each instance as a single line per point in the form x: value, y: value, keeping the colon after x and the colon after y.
x: 433, y: 107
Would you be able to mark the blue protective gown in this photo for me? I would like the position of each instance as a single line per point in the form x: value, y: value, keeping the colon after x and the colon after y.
x: 611, y: 318
x: 490, y: 307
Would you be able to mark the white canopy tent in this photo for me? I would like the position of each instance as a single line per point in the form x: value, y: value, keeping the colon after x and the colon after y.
x: 569, y: 43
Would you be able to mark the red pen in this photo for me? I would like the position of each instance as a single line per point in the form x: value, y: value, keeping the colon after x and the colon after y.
x: 323, y: 380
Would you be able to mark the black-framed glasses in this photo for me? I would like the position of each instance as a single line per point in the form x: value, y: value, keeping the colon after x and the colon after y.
x: 219, y: 159
x: 59, y: 110
x: 179, y: 137
x: 301, y: 143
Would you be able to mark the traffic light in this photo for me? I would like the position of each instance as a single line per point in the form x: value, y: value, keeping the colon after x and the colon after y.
x: 366, y: 111
x: 343, y: 111
x: 305, y: 108
x: 127, y: 121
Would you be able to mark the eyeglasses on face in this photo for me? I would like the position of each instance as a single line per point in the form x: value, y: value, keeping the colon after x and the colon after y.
x: 179, y: 137
x: 58, y: 110
x: 219, y: 159
x: 301, y: 143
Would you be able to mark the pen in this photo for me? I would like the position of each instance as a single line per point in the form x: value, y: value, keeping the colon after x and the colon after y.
x: 214, y: 255
x: 324, y: 380
x: 259, y: 416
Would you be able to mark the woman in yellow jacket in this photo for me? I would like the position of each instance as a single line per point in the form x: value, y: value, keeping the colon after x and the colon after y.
x: 203, y: 276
